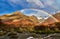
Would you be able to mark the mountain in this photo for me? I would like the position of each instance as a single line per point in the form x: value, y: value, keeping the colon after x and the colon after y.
x: 19, y: 19
x: 50, y: 20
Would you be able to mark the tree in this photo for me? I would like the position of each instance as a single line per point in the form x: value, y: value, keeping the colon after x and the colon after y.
x: 41, y: 27
x: 1, y: 23
x: 58, y: 25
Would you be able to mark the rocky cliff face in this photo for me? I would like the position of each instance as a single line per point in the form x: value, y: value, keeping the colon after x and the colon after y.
x: 51, y: 20
x: 19, y: 19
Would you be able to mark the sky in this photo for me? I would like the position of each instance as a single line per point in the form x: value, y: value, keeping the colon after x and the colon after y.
x: 9, y: 6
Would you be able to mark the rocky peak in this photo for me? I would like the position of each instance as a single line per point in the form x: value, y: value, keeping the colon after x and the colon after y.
x: 18, y: 13
x: 18, y: 18
x: 51, y: 20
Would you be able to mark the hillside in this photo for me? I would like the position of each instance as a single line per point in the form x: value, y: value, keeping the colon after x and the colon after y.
x: 51, y: 20
x: 18, y: 18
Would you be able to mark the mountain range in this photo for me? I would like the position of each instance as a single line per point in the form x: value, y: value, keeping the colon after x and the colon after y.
x: 18, y: 18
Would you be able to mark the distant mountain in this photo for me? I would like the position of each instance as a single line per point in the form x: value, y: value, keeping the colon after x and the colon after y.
x: 51, y: 20
x: 18, y: 18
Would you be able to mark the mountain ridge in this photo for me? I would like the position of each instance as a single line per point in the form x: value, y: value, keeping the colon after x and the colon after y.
x: 51, y: 20
x: 18, y: 18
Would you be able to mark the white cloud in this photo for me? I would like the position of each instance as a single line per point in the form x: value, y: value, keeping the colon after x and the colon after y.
x: 38, y: 13
x: 34, y: 15
x: 15, y: 1
x: 58, y: 11
x: 42, y: 14
x: 37, y: 2
x: 51, y: 4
